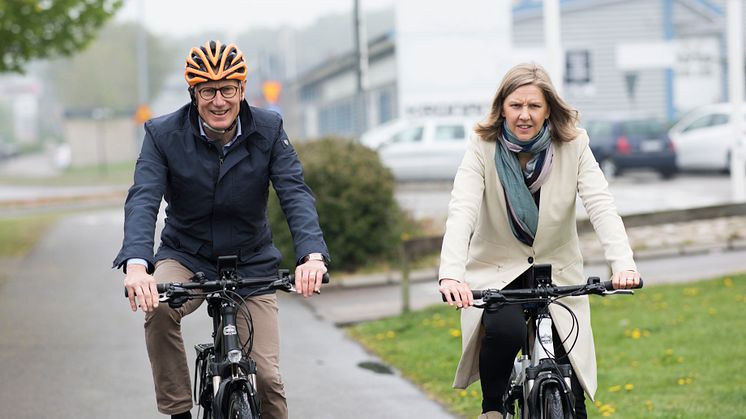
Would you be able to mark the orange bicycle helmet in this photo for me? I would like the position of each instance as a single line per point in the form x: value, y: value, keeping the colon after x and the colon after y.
x: 214, y: 61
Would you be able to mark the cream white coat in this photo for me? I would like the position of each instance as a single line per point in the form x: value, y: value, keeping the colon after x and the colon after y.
x: 479, y: 247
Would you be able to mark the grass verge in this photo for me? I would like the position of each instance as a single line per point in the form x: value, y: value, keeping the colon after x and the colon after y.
x: 668, y: 352
x: 111, y: 174
x: 19, y: 235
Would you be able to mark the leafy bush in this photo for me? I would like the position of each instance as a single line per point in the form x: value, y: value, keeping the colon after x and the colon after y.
x: 354, y: 193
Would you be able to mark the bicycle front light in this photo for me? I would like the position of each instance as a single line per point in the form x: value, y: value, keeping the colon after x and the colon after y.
x: 234, y: 356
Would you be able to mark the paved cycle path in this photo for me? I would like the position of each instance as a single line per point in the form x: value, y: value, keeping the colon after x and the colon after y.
x: 71, y: 348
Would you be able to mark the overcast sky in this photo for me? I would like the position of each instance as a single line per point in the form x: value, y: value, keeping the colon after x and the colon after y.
x: 181, y: 17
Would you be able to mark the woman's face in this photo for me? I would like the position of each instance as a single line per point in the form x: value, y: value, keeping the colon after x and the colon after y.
x: 525, y: 111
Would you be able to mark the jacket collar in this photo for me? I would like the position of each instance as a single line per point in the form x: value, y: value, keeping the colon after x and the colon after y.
x: 245, y: 115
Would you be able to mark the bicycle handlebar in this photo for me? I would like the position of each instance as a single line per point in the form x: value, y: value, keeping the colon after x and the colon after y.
x: 282, y: 281
x: 593, y: 286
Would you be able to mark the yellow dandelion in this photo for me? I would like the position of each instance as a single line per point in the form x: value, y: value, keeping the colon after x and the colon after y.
x: 462, y: 393
x: 649, y: 405
x: 474, y: 393
x: 629, y: 387
x: 614, y: 389
x: 390, y: 334
x: 691, y: 292
x: 598, y: 403
x: 455, y: 333
x: 680, y: 360
x: 635, y: 334
x: 681, y: 381
x: 728, y: 281
x: 669, y: 352
x: 646, y: 333
x: 711, y: 311
x: 380, y: 336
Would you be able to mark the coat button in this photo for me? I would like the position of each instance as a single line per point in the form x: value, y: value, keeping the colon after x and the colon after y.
x: 530, y: 259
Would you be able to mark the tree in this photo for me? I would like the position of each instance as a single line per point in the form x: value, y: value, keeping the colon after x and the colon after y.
x: 105, y: 75
x: 31, y: 29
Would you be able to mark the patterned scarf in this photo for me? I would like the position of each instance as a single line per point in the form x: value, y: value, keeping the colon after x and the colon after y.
x: 520, y: 185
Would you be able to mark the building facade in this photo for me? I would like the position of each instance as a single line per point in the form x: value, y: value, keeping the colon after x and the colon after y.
x: 651, y: 58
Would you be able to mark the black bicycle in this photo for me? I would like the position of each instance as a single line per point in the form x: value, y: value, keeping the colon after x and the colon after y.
x: 540, y: 387
x: 225, y: 373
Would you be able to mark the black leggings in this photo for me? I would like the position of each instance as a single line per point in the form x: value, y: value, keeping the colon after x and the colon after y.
x: 505, y: 332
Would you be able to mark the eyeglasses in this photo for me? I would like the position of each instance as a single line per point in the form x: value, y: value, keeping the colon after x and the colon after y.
x: 208, y: 93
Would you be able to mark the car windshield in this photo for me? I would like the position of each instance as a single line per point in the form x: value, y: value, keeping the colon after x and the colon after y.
x: 598, y: 129
x: 647, y: 128
x: 449, y: 132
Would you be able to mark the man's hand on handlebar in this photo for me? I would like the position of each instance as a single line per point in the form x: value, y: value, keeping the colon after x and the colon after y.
x: 456, y: 293
x: 141, y: 288
x: 625, y: 279
x: 308, y: 277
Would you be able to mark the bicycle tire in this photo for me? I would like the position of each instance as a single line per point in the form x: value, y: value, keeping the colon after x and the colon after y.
x: 238, y: 405
x: 552, y: 404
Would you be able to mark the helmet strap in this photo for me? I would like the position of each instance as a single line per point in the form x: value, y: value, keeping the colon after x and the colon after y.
x: 219, y: 131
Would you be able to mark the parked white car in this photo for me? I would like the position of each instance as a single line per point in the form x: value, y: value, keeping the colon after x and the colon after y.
x: 423, y: 148
x: 703, y: 138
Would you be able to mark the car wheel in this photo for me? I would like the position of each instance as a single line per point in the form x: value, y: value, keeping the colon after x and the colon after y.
x: 668, y: 172
x: 609, y: 168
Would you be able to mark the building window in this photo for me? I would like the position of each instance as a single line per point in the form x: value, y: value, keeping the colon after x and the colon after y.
x: 577, y: 67
x: 337, y: 119
x: 385, y: 107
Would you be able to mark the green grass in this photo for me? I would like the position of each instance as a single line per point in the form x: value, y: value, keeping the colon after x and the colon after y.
x: 112, y: 174
x: 19, y: 235
x: 673, y: 351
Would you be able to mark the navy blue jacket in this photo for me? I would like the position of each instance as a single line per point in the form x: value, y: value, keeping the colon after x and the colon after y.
x: 217, y: 204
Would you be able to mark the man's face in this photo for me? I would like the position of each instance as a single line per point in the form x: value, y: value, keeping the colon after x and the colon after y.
x: 218, y: 102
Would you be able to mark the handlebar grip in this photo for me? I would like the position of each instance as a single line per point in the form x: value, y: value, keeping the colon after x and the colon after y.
x: 163, y: 287
x: 609, y: 287
x: 477, y: 294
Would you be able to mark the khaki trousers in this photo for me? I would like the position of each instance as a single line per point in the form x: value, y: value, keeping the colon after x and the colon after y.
x: 168, y: 359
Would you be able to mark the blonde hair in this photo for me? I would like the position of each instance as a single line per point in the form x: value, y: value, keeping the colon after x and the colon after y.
x: 562, y: 117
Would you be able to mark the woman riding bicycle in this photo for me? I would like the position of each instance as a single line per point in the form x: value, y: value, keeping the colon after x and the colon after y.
x: 213, y: 160
x: 513, y: 205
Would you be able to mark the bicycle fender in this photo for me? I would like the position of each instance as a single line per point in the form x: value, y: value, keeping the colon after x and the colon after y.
x: 220, y: 402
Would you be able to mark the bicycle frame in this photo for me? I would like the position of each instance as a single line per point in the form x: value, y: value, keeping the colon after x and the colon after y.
x: 541, y: 365
x: 222, y: 366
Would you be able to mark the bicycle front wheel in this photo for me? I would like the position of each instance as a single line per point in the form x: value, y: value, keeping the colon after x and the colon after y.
x: 552, y: 406
x: 238, y: 405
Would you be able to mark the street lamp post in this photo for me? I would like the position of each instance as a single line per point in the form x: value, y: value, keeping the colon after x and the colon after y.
x: 736, y: 87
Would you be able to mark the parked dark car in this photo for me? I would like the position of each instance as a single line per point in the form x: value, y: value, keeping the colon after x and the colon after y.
x: 626, y: 144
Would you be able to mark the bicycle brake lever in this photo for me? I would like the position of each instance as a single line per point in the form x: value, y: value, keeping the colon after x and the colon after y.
x: 619, y: 291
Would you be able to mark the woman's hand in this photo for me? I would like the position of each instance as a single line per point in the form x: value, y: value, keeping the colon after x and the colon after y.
x: 625, y: 279
x: 456, y: 293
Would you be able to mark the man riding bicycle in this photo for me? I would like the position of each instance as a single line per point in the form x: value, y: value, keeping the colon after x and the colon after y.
x: 212, y: 160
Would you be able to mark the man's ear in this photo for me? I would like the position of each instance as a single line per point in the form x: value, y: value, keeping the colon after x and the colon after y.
x: 243, y: 89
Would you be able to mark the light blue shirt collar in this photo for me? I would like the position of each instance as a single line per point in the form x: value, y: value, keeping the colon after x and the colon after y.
x: 229, y: 143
